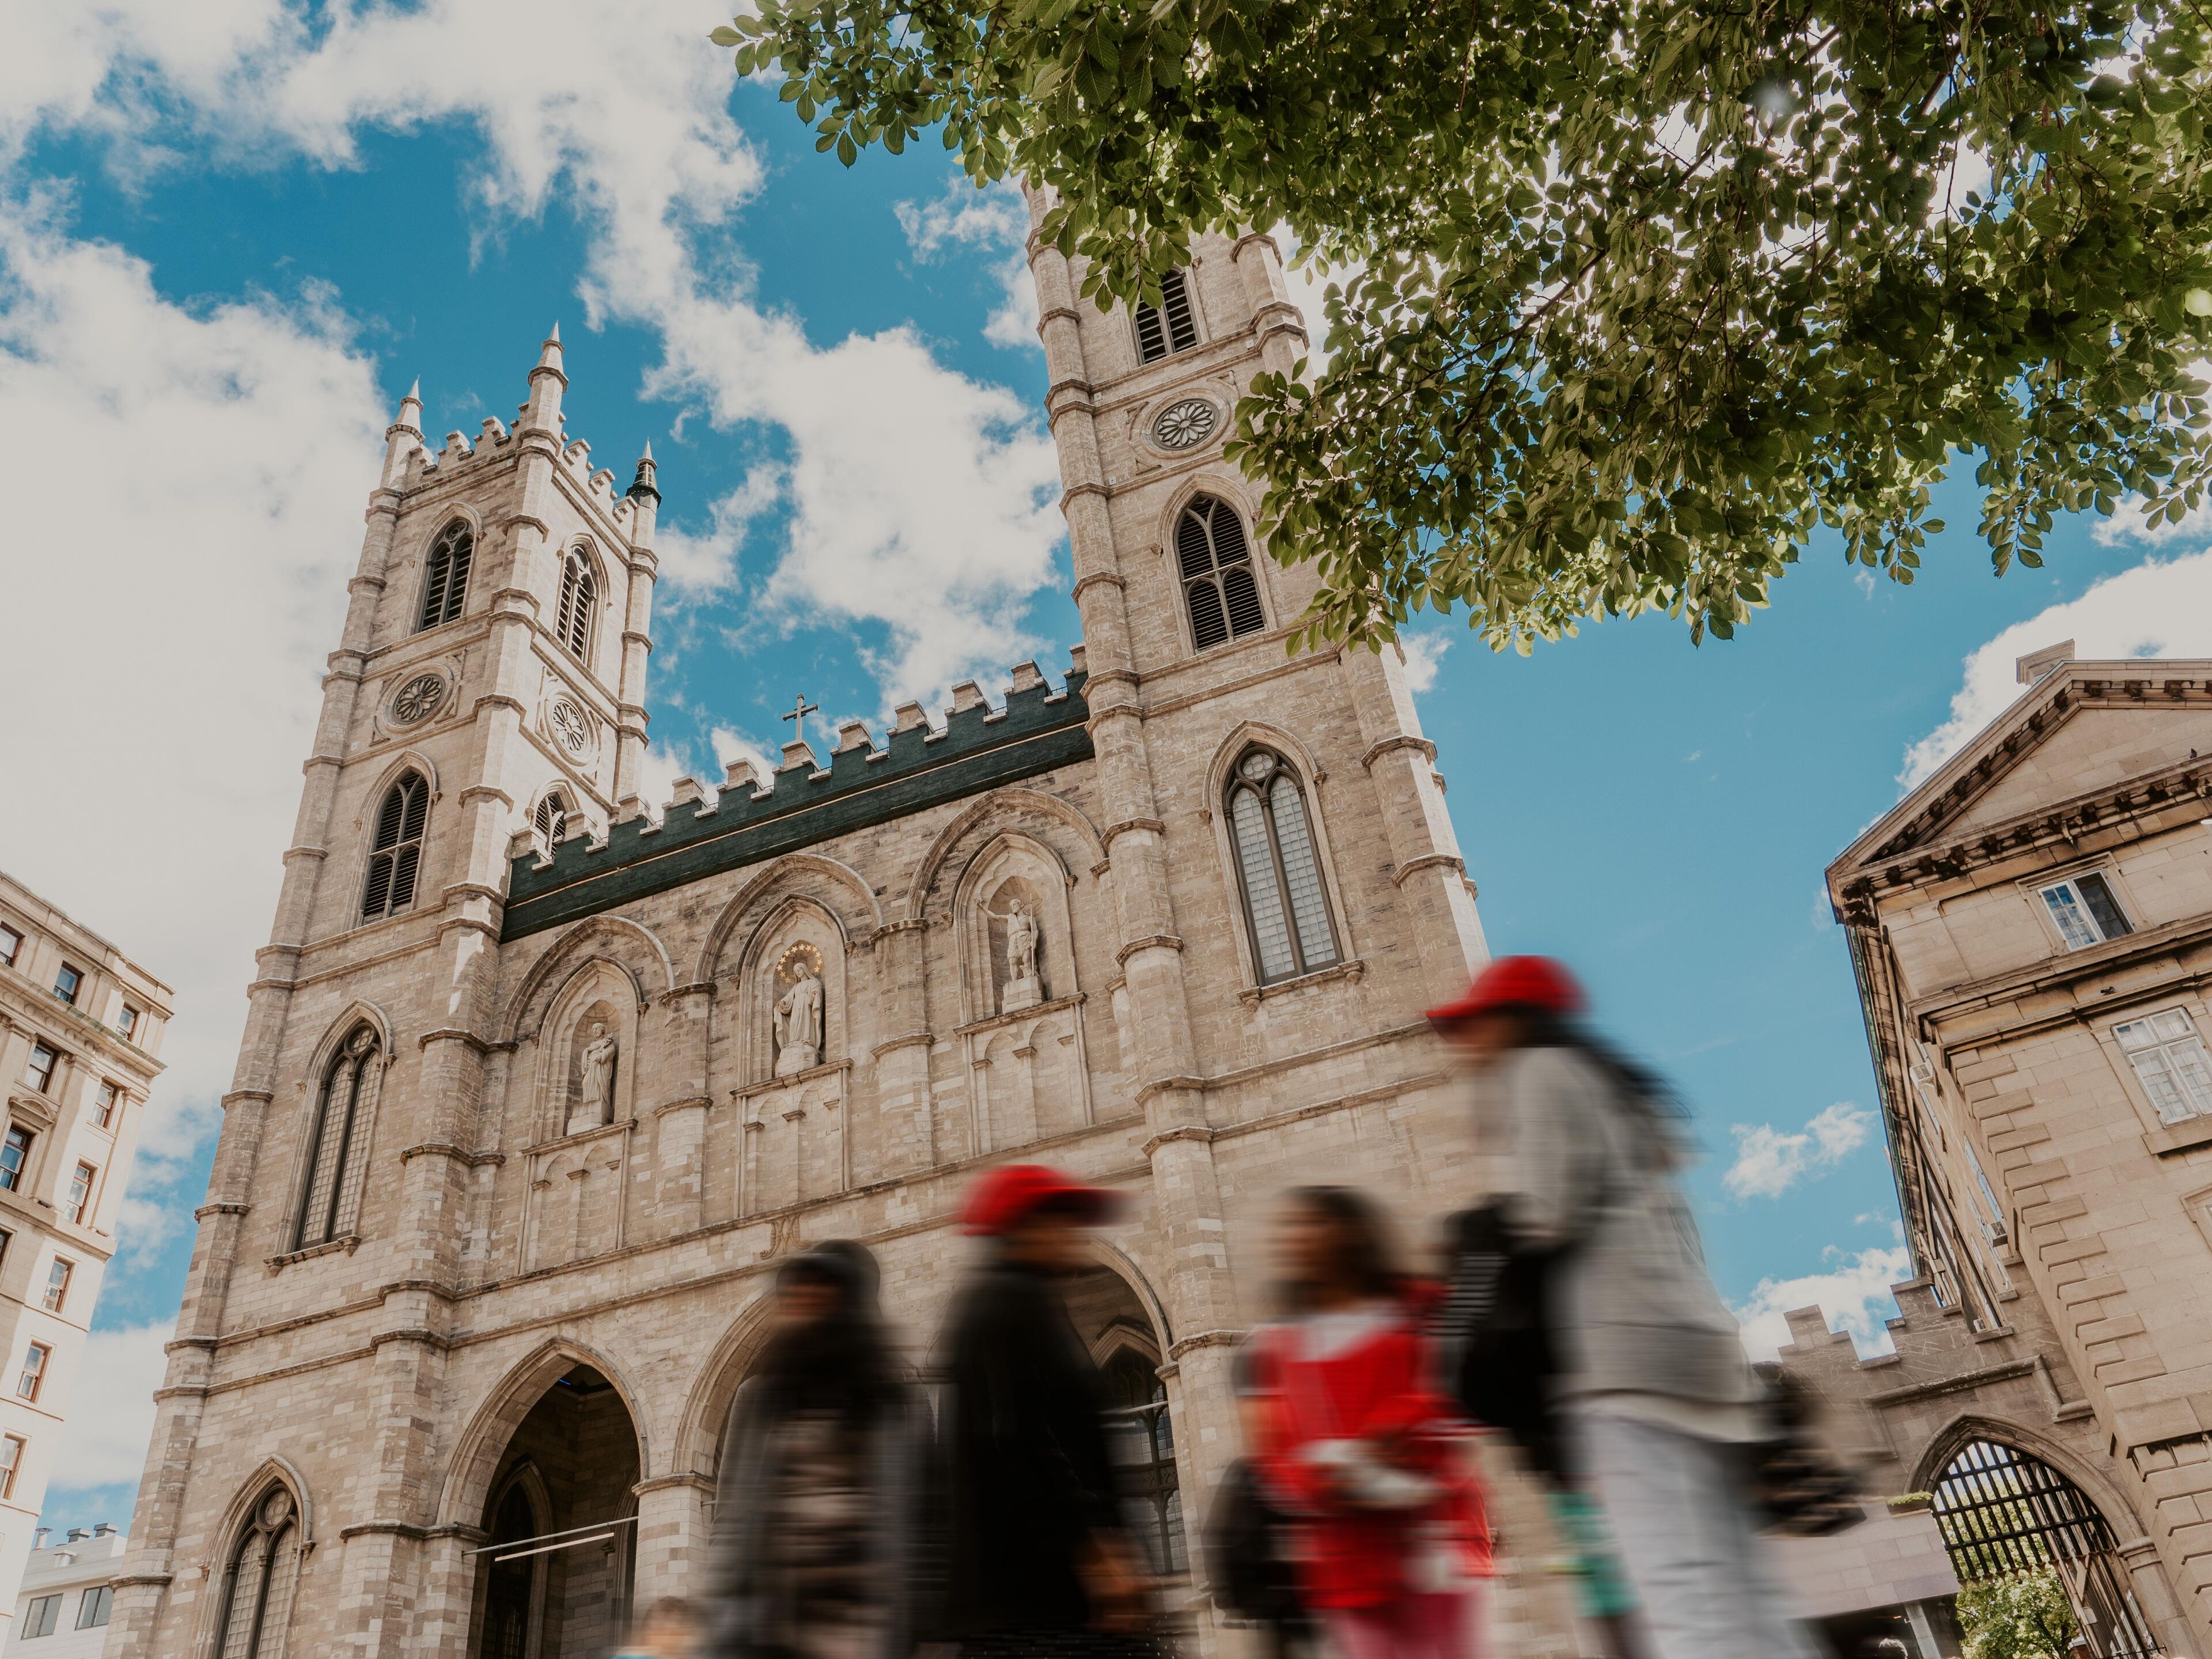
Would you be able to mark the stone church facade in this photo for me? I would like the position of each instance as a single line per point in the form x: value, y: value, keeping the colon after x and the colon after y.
x: 535, y: 1089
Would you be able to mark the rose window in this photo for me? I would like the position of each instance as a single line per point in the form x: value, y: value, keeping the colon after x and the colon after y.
x: 1186, y: 424
x: 418, y: 699
x: 569, y: 725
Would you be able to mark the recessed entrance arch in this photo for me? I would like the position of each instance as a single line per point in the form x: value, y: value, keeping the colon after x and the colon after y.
x: 2003, y: 1513
x: 555, y: 1581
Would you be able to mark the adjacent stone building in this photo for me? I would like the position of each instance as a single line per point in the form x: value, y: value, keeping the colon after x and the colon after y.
x: 535, y: 1089
x: 80, y: 1033
x: 2031, y: 932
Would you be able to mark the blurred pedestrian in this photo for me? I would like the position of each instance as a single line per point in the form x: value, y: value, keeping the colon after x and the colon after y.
x: 1042, y: 1564
x: 1663, y: 1412
x: 1368, y: 1459
x: 815, y: 1507
x: 666, y: 1631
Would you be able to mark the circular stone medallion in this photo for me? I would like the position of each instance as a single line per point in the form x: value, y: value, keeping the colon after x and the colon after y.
x: 418, y: 699
x: 570, y: 728
x: 1185, y: 424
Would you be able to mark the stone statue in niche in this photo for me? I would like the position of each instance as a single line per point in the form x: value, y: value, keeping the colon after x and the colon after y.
x: 1024, y: 988
x: 799, y: 1011
x: 595, y: 1083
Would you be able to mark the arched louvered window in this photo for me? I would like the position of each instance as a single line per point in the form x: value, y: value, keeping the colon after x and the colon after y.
x: 1285, y: 900
x: 550, y: 820
x: 446, y: 578
x: 328, y: 1209
x: 258, y: 1582
x: 1218, y: 580
x: 395, y: 856
x: 1169, y: 327
x: 579, y: 589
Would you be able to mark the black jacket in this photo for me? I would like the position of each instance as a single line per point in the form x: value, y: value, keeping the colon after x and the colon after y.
x: 1029, y: 1476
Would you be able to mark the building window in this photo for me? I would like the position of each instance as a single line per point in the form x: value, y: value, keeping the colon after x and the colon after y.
x: 34, y: 1371
x: 1141, y: 1440
x: 39, y: 1073
x: 1170, y: 327
x: 96, y: 1607
x: 67, y: 983
x: 39, y: 1618
x: 579, y: 589
x: 550, y: 821
x: 256, y: 1593
x: 396, y: 856
x: 103, y: 1105
x: 1218, y: 585
x: 11, y: 1460
x: 126, y: 1023
x: 1285, y: 903
x: 57, y: 1283
x: 10, y: 943
x: 2085, y: 909
x: 340, y: 1110
x: 15, y: 1153
x: 446, y: 578
x: 79, y: 1206
x: 2170, y: 1063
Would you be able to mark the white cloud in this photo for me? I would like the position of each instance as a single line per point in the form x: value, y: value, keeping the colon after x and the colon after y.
x: 2159, y: 608
x: 1854, y: 1294
x: 922, y: 502
x: 1425, y: 654
x: 996, y: 220
x: 1770, y: 1161
x: 196, y: 512
x: 111, y: 1408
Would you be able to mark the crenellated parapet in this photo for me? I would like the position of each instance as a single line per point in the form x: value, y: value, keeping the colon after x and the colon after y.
x: 808, y: 800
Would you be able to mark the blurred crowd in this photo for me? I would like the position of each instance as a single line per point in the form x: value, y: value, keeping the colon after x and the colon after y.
x: 1568, y: 1316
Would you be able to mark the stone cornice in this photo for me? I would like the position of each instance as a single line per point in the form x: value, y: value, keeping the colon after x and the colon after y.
x: 452, y: 1034
x: 1111, y: 578
x: 1151, y: 941
x: 446, y: 1149
x: 1450, y: 861
x: 1107, y: 836
x: 1422, y: 746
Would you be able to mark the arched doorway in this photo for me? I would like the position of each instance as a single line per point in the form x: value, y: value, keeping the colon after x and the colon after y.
x: 1112, y: 1322
x: 2005, y: 1515
x: 555, y: 1576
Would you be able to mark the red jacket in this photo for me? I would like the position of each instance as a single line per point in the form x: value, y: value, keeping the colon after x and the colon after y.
x: 1377, y: 1386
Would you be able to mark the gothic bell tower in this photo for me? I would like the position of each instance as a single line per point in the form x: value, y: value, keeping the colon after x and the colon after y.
x: 488, y: 689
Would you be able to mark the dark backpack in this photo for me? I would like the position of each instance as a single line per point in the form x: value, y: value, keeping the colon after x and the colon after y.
x: 1493, y: 1330
x: 1248, y: 1568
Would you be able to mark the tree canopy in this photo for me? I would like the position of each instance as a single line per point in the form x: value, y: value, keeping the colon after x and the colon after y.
x: 1631, y: 297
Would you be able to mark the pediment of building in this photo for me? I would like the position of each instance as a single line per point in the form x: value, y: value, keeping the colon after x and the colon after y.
x: 2085, y: 731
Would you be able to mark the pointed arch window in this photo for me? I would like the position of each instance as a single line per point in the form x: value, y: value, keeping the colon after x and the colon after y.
x: 1170, y: 327
x: 258, y: 1582
x: 579, y: 592
x: 329, y: 1207
x: 1218, y: 580
x: 549, y: 823
x: 1285, y: 900
x: 395, y: 857
x: 446, y: 578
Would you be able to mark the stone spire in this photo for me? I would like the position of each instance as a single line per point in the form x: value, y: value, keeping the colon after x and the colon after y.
x: 404, y: 435
x: 547, y: 382
x: 642, y: 486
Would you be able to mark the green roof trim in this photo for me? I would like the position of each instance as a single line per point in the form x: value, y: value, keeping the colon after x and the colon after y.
x: 978, y: 750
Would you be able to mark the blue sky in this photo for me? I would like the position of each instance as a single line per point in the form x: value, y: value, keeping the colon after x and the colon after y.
x: 230, y: 236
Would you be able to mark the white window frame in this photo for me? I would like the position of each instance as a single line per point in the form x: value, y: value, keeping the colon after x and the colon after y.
x: 2169, y: 1035
x: 2076, y: 924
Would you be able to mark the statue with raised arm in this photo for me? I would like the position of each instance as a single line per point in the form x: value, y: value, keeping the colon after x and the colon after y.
x: 1024, y: 989
x: 799, y: 1024
x: 595, y: 1087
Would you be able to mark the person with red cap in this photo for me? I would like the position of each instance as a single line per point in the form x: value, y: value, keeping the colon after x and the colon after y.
x: 1659, y: 1405
x: 1040, y: 1563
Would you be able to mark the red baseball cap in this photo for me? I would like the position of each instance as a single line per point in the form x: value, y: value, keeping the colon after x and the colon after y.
x: 1515, y: 983
x: 1004, y: 1197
